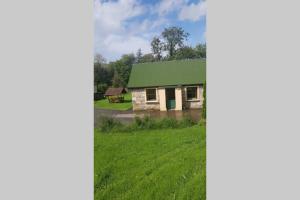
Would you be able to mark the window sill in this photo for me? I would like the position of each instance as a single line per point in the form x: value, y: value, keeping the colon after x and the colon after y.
x: 152, y: 101
x: 193, y: 100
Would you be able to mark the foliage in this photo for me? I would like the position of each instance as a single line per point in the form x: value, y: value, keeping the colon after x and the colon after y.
x: 201, y: 50
x: 98, y: 96
x: 116, y: 99
x: 98, y: 58
x: 169, y: 122
x: 108, y: 124
x: 185, y: 53
x: 142, y: 124
x: 174, y: 38
x: 117, y: 81
x: 147, y: 58
x: 138, y: 55
x: 186, y: 122
x: 173, y: 42
x: 149, y: 123
x: 157, y: 47
x: 151, y: 164
x: 204, y: 102
x: 122, y: 69
x: 102, y: 76
x: 104, y: 104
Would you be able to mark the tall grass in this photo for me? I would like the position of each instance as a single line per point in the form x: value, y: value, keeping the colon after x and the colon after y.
x: 146, y: 123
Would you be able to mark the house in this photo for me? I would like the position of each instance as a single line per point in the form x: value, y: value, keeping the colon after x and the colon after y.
x: 115, y: 95
x: 168, y: 85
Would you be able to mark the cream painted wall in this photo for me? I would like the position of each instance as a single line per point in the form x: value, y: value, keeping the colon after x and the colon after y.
x: 178, y: 98
x: 162, y: 99
x: 139, y: 99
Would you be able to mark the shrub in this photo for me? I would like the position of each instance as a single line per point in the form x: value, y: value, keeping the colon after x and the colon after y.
x: 98, y: 96
x: 115, y: 99
x: 202, y: 122
x: 149, y: 123
x: 143, y: 123
x: 137, y: 122
x: 110, y: 124
x: 168, y: 123
x: 186, y: 122
x: 204, y: 102
x: 146, y: 123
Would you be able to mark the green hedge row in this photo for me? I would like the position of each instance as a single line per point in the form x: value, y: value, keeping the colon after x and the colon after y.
x: 146, y: 123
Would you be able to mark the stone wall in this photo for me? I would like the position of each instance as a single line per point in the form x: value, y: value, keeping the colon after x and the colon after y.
x: 193, y: 104
x: 139, y: 100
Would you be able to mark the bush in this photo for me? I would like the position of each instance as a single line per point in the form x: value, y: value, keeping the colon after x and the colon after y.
x: 204, y: 102
x: 143, y: 123
x: 186, y: 122
x: 146, y: 123
x: 168, y: 123
x: 110, y: 124
x: 202, y: 122
x: 115, y: 99
x: 98, y: 96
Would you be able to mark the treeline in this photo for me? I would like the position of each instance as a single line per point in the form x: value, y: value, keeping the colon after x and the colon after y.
x: 168, y: 46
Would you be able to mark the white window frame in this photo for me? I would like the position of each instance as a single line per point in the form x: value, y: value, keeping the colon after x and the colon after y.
x: 197, y: 93
x: 156, y: 94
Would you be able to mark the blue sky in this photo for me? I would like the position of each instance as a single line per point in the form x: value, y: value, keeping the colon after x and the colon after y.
x: 124, y: 26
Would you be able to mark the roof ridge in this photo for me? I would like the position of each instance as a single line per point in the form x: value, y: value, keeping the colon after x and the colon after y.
x: 189, y: 59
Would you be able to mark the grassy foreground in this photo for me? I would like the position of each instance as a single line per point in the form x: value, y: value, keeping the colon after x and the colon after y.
x: 104, y: 104
x: 152, y: 164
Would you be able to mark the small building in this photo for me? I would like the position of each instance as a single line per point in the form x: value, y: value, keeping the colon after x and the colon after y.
x: 168, y: 85
x: 115, y: 95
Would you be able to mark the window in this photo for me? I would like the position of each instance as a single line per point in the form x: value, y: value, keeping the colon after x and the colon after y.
x: 151, y: 94
x: 191, y: 93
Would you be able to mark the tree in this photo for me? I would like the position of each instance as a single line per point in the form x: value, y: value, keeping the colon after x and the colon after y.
x: 102, y: 77
x: 122, y: 69
x: 185, y: 53
x: 138, y: 55
x: 201, y: 50
x: 157, y: 47
x: 147, y: 58
x: 204, y: 101
x: 174, y: 38
x: 117, y: 81
x: 98, y: 58
x: 127, y: 59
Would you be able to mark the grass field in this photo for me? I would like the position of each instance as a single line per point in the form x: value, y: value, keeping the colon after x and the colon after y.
x: 151, y: 165
x: 104, y: 104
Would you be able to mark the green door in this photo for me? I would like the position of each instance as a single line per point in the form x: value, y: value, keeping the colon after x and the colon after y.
x: 170, y: 98
x: 171, y: 104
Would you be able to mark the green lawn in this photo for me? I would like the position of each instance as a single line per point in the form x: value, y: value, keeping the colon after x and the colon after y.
x: 104, y: 104
x: 151, y: 165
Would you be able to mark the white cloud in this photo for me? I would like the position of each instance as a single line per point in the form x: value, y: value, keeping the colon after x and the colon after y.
x: 167, y: 6
x: 193, y: 12
x: 112, y: 37
x: 110, y: 15
x: 117, y: 44
x: 124, y: 26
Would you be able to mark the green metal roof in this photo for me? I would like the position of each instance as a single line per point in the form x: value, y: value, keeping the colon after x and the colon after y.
x: 167, y: 73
